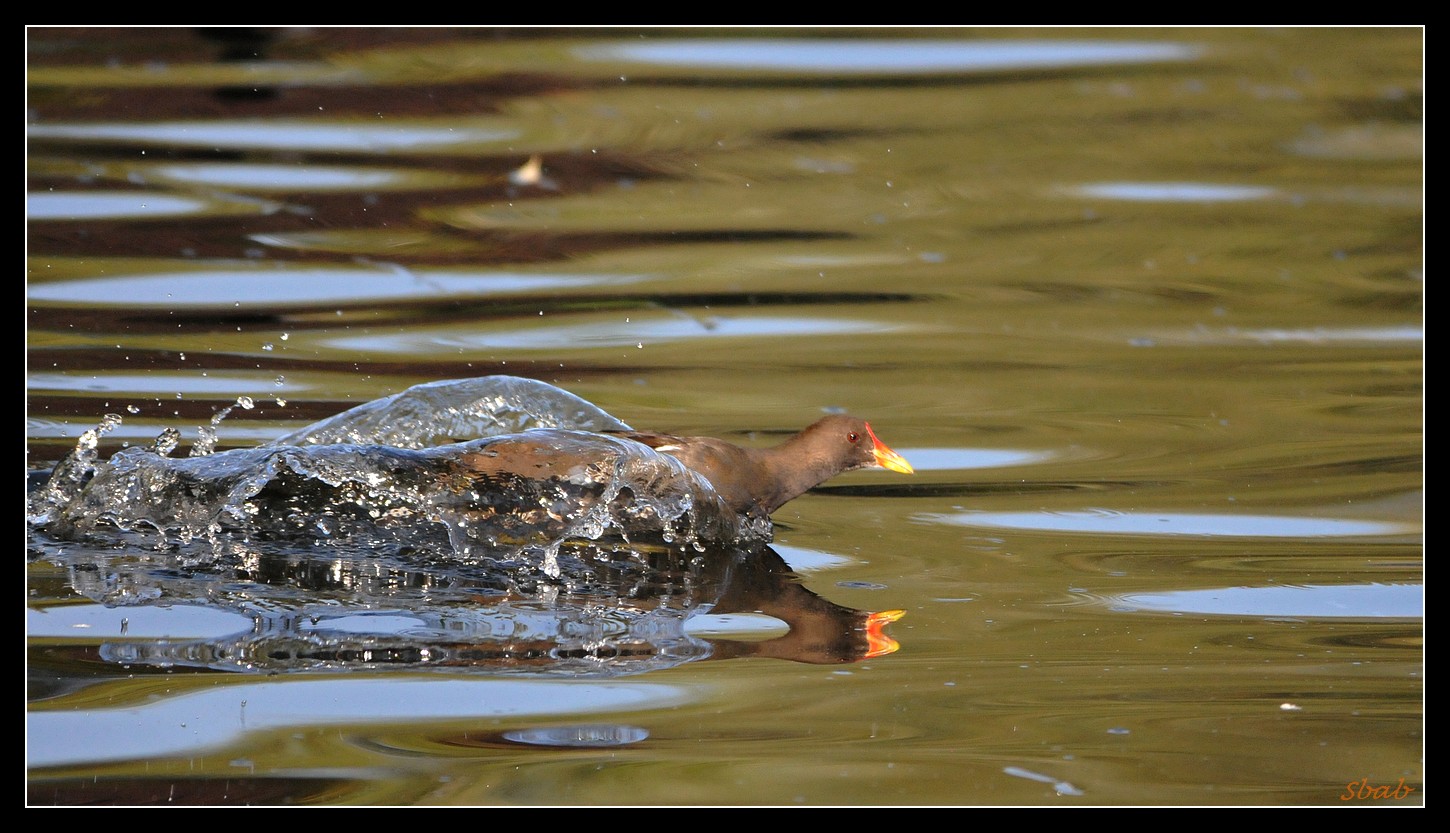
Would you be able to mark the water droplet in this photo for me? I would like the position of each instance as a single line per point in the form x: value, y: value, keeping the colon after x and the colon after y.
x: 166, y: 442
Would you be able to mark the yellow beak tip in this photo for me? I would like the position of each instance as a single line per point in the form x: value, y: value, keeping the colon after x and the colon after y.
x: 888, y: 459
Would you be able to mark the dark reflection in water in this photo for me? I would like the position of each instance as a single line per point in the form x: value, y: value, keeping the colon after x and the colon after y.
x: 239, y: 790
x: 324, y: 612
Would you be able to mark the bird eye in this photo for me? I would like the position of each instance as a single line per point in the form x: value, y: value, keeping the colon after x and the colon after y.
x: 853, y: 436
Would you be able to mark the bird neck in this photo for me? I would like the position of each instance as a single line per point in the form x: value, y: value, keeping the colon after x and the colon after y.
x: 794, y: 469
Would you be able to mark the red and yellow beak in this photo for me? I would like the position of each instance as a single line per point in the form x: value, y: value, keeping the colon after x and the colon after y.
x: 879, y: 644
x: 886, y: 458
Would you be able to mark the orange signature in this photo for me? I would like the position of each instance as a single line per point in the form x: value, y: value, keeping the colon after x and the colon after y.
x: 1364, y: 789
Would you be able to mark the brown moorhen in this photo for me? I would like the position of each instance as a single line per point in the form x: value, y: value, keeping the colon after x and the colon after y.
x: 758, y: 481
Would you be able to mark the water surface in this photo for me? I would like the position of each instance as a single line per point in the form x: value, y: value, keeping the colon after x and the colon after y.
x: 1144, y: 306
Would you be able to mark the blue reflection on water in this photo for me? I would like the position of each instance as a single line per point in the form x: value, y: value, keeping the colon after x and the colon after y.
x: 587, y: 735
x: 636, y: 332
x: 1170, y: 523
x: 226, y: 383
x: 266, y: 288
x: 1174, y: 192
x: 218, y: 715
x: 237, y: 175
x: 1355, y: 601
x: 279, y: 135
x: 1317, y: 335
x: 887, y: 57
x: 956, y: 459
x: 93, y: 621
x: 61, y: 205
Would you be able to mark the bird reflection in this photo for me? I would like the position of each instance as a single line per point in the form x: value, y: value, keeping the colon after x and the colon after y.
x: 624, y: 610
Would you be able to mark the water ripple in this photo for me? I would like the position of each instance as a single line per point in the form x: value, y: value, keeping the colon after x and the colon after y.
x: 281, y: 134
x: 237, y: 285
x: 634, y: 332
x: 131, y: 205
x: 1171, y: 523
x: 258, y: 177
x: 1348, y: 601
x: 221, y: 714
x: 884, y: 57
x: 1173, y: 191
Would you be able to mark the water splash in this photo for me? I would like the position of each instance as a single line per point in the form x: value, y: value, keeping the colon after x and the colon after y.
x: 207, y: 434
x: 71, y: 473
x: 364, y: 481
x: 436, y: 413
x: 166, y: 442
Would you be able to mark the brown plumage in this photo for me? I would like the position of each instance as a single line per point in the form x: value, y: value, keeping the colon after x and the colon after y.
x: 758, y: 481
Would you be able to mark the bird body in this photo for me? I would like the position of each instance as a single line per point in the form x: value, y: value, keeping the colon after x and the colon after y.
x: 758, y: 481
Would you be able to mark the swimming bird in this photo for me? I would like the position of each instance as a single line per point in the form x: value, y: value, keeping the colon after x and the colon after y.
x: 758, y: 481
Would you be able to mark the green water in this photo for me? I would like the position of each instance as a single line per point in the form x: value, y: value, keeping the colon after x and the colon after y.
x: 1144, y: 308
